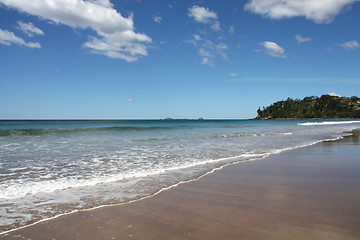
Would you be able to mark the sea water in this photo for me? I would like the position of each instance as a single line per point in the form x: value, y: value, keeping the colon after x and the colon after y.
x: 51, y: 168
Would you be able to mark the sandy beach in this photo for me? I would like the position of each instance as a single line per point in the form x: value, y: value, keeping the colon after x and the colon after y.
x: 306, y: 193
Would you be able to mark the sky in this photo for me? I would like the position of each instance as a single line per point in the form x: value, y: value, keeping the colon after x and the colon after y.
x: 152, y: 59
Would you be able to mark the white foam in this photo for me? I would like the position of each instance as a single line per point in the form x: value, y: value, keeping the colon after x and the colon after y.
x: 58, y: 179
x: 327, y: 123
x: 253, y: 135
x: 18, y: 169
x: 11, y: 144
x: 20, y: 189
x: 236, y: 159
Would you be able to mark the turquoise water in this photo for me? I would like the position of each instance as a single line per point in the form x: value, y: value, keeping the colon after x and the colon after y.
x: 49, y: 168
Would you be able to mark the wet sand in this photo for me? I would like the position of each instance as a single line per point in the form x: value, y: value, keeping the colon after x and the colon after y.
x: 307, y: 193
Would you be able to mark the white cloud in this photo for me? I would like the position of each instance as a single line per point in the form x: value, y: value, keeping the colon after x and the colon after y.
x: 334, y: 94
x: 204, y: 15
x: 197, y: 37
x: 9, y: 38
x: 301, y: 39
x: 233, y: 74
x: 204, y: 53
x: 209, y: 50
x: 129, y: 100
x: 201, y: 14
x: 216, y: 26
x: 231, y: 29
x: 221, y: 49
x: 273, y: 49
x: 207, y: 61
x: 29, y: 29
x: 104, y: 3
x: 319, y: 11
x: 116, y: 35
x: 351, y: 45
x: 157, y: 19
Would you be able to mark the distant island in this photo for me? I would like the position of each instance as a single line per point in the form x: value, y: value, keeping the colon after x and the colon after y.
x: 182, y: 119
x: 324, y: 107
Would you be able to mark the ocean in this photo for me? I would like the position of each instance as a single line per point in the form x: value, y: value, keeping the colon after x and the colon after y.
x: 51, y: 168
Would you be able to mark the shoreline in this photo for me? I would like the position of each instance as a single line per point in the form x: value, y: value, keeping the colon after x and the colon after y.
x: 256, y: 157
x: 159, y: 195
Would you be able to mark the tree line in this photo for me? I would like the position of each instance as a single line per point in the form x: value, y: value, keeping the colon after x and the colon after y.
x: 323, y: 107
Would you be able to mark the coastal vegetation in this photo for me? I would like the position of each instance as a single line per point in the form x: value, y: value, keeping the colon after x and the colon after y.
x: 324, y: 107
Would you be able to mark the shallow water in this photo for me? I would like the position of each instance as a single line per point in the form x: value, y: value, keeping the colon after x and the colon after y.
x: 48, y: 168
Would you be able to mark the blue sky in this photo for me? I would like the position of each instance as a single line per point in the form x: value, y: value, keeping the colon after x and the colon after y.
x: 144, y: 59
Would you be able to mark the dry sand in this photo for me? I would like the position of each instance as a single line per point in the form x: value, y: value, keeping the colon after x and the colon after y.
x: 307, y: 193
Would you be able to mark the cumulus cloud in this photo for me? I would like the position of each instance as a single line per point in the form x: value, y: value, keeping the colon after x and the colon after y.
x: 9, y: 38
x: 301, y: 39
x: 273, y: 49
x: 204, y: 15
x: 104, y: 3
x: 157, y: 19
x: 129, y: 100
x: 29, y: 29
x: 319, y: 11
x: 116, y: 37
x: 209, y: 50
x: 351, y: 45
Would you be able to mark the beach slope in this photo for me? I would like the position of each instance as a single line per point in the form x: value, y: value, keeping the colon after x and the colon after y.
x: 306, y: 193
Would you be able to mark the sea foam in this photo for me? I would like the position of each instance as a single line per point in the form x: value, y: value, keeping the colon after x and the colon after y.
x: 327, y: 123
x: 52, y: 172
